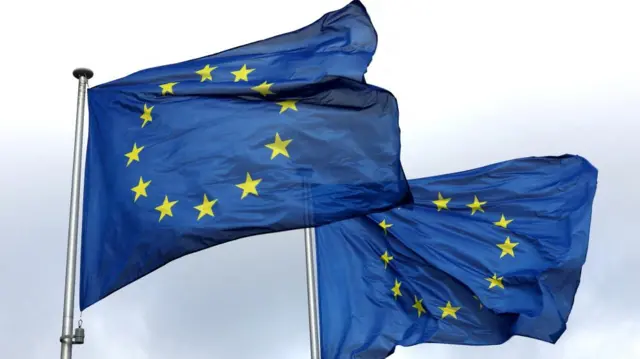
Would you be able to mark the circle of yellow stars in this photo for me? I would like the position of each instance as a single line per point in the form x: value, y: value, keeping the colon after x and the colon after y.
x: 279, y: 146
x: 494, y: 281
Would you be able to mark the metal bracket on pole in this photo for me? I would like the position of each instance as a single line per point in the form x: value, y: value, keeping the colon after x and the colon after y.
x: 76, y: 338
x: 67, y: 339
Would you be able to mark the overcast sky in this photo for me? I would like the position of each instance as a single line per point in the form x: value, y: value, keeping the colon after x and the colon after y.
x: 477, y: 82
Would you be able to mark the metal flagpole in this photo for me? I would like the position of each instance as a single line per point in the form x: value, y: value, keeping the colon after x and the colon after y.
x: 312, y: 291
x: 67, y: 339
x: 310, y: 254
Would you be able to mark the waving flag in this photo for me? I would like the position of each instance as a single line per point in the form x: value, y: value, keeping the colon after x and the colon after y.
x: 480, y: 256
x: 276, y: 135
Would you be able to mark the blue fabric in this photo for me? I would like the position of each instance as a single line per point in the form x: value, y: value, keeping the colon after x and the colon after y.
x: 208, y: 125
x: 447, y: 255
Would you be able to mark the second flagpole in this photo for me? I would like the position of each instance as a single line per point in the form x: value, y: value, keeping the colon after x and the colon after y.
x: 312, y: 292
x: 310, y: 256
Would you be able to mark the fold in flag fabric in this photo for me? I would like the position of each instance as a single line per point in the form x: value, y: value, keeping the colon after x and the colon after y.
x: 276, y: 135
x: 479, y: 257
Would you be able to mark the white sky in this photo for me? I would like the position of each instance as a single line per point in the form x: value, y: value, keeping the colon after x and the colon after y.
x: 477, y: 82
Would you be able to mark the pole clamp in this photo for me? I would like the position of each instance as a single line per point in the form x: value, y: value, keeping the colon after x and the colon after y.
x: 76, y: 338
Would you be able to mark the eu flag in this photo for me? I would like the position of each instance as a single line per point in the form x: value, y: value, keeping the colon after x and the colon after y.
x: 276, y: 135
x: 480, y: 256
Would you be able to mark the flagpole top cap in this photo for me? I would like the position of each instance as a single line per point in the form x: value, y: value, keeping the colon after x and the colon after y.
x: 82, y: 72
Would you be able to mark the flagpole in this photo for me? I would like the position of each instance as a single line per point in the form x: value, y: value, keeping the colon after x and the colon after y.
x: 310, y: 256
x: 312, y: 292
x: 67, y: 337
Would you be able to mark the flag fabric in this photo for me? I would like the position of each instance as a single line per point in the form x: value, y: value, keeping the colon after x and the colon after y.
x: 479, y: 257
x: 275, y: 135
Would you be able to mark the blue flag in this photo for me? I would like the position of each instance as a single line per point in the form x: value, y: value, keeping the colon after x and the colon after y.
x: 480, y: 256
x: 276, y: 135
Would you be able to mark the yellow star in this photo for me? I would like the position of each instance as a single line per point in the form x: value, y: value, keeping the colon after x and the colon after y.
x: 141, y: 189
x: 168, y: 87
x: 205, y: 73
x: 384, y: 225
x: 279, y: 147
x: 249, y: 186
x: 507, y: 247
x: 206, y: 208
x: 264, y: 88
x: 287, y: 104
x: 476, y: 298
x: 418, y: 306
x: 146, y: 115
x: 441, y: 202
x: 134, y: 154
x: 503, y: 222
x: 476, y: 205
x: 386, y: 258
x: 242, y: 73
x: 396, y: 290
x: 165, y: 208
x: 495, y: 281
x: 449, y: 310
